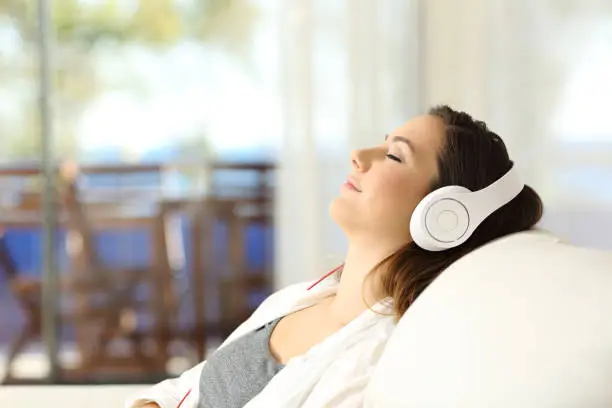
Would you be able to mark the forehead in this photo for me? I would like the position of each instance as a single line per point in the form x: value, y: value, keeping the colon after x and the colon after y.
x: 425, y: 132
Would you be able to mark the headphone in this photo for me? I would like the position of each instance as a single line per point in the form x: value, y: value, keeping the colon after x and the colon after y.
x: 448, y: 216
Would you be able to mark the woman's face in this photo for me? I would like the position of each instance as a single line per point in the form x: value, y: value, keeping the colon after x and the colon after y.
x: 389, y: 180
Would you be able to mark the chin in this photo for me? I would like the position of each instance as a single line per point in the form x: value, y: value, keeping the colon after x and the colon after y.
x: 342, y: 213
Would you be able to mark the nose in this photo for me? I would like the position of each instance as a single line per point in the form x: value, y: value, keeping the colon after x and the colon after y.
x: 360, y: 160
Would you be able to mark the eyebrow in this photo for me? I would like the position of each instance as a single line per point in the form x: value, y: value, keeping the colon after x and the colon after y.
x: 401, y: 139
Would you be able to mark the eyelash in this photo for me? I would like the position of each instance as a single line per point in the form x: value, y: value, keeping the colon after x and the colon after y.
x: 394, y: 158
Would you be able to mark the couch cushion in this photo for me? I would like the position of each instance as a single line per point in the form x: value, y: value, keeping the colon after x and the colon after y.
x: 63, y: 396
x: 525, y: 321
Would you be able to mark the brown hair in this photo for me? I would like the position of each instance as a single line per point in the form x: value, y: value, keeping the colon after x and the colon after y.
x: 472, y: 157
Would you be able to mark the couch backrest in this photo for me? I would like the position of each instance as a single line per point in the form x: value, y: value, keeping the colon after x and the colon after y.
x: 525, y: 321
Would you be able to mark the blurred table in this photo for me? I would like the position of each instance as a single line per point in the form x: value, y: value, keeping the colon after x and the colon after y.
x: 112, y: 207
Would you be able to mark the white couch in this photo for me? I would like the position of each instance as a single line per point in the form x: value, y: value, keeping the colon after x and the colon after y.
x: 61, y: 396
x: 524, y: 322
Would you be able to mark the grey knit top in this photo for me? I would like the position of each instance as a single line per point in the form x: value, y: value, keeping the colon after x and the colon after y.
x: 236, y: 373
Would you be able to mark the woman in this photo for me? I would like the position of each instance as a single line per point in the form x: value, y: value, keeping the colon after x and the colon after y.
x: 315, y: 344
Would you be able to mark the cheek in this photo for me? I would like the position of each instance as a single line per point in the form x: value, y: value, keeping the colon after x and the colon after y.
x: 395, y: 197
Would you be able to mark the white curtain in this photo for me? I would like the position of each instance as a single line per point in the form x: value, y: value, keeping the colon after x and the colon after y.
x: 356, y: 68
x: 539, y: 73
x: 552, y: 91
x: 349, y: 75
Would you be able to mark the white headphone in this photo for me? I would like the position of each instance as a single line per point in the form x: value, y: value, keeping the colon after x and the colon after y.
x: 448, y: 216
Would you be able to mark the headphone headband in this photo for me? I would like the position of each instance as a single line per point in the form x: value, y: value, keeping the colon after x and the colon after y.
x: 482, y: 203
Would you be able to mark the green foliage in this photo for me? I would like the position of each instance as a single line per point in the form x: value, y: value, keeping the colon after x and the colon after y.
x: 79, y: 26
x: 154, y: 22
x: 28, y: 145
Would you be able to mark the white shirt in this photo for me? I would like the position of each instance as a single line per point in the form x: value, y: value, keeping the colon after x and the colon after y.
x: 333, y: 373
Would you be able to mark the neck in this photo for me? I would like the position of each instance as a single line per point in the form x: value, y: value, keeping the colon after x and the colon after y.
x: 358, y: 289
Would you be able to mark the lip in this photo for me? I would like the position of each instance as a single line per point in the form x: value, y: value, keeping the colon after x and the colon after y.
x: 352, y: 184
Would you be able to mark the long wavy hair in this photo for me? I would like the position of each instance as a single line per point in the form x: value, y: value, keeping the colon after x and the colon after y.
x: 474, y: 157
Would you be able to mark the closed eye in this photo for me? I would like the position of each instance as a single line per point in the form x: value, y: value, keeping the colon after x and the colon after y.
x: 394, y: 157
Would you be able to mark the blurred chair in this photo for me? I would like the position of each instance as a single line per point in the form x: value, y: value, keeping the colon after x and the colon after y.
x: 20, y: 207
x: 126, y: 318
x: 245, y: 279
x: 104, y: 303
x: 107, y: 307
x: 238, y: 209
x: 26, y: 291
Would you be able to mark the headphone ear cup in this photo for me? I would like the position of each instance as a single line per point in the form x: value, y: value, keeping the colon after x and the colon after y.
x: 441, y: 221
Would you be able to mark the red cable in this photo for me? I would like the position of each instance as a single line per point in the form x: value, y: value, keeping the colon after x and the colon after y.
x: 325, y: 276
x: 183, y: 400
